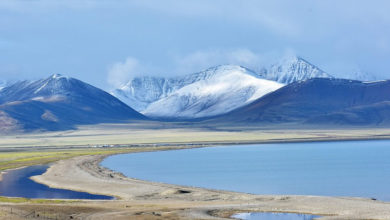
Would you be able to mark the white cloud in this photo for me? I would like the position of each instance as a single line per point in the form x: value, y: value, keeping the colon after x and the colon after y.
x: 203, y: 59
x: 120, y: 72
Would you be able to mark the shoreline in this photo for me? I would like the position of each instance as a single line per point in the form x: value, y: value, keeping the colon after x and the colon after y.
x: 208, y: 144
x: 139, y: 199
x: 91, y: 177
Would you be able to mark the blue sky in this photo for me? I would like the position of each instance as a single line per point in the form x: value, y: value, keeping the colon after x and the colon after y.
x: 106, y: 42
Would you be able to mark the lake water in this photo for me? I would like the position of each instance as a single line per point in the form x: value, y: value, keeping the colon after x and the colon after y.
x: 17, y: 183
x: 349, y: 168
x: 274, y: 216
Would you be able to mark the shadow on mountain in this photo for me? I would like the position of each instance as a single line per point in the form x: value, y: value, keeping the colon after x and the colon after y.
x: 61, y: 103
x: 319, y: 101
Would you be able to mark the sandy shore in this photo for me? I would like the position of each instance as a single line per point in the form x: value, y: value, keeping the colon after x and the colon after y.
x: 137, y: 199
x: 148, y: 200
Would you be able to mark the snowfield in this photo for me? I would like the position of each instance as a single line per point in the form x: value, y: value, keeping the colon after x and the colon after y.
x: 227, y: 88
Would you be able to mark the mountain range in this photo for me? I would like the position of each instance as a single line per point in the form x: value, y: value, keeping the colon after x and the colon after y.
x: 319, y: 101
x: 214, y: 91
x: 59, y: 103
x: 291, y: 92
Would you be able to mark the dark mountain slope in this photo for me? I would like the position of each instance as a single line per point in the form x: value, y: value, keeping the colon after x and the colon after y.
x: 58, y: 103
x: 319, y: 100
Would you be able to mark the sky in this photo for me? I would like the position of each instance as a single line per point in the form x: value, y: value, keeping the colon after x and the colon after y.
x: 106, y: 42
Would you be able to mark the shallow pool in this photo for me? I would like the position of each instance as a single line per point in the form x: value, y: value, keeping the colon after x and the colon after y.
x: 274, y: 216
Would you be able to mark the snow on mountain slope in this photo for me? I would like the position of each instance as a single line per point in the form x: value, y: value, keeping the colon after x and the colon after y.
x: 293, y: 69
x: 319, y: 101
x: 140, y: 92
x: 55, y: 85
x: 215, y: 91
x: 148, y: 94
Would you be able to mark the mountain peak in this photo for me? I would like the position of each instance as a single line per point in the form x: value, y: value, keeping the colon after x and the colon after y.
x: 300, y: 59
x: 59, y: 102
x: 293, y: 68
x: 225, y: 69
x: 54, y: 85
x: 58, y: 76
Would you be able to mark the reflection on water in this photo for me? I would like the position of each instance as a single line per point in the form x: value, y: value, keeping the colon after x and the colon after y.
x: 274, y: 216
x: 17, y: 183
x: 349, y: 168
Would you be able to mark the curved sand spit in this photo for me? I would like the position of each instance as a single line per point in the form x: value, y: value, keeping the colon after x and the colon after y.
x: 164, y: 200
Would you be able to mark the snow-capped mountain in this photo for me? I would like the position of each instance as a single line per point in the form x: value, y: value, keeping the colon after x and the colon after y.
x: 55, y: 86
x: 293, y: 69
x: 60, y: 102
x: 140, y: 92
x: 218, y: 91
x: 194, y: 96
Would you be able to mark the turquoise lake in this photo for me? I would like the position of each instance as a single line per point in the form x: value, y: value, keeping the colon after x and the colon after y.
x: 348, y: 168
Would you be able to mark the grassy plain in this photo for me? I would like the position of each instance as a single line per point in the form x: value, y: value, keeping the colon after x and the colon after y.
x: 33, y: 201
x: 11, y: 160
x: 36, y: 155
